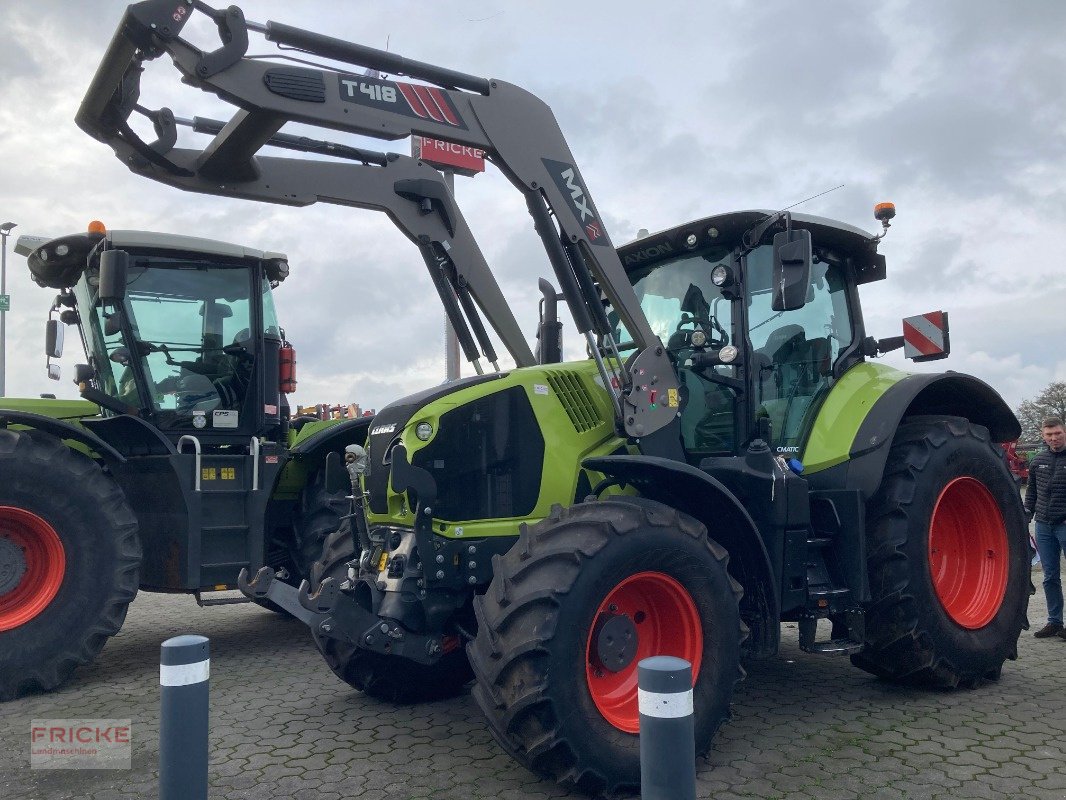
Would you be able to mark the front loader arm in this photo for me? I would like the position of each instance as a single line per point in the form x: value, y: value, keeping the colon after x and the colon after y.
x: 411, y: 193
x: 517, y: 131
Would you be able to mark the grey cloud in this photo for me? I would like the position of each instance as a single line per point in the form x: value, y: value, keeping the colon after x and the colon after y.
x: 954, y: 109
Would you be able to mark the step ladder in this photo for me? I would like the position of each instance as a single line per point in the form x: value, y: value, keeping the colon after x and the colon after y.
x: 230, y: 538
x: 828, y: 599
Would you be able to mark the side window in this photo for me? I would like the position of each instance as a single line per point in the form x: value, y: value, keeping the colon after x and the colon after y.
x: 271, y: 328
x: 794, y: 351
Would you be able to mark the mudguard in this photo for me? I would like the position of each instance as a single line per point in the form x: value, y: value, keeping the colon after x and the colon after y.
x: 936, y: 394
x: 699, y: 495
x: 62, y: 430
x: 335, y: 437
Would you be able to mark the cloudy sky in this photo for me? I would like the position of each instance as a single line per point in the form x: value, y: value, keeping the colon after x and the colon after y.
x: 954, y: 110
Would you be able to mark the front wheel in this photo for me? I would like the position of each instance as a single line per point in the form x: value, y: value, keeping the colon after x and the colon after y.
x: 389, y: 678
x: 573, y: 607
x: 948, y: 559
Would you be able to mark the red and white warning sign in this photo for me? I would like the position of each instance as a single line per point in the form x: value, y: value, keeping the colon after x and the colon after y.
x: 925, y: 337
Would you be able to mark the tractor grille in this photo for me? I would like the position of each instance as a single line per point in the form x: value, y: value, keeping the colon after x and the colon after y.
x: 486, y: 459
x: 575, y: 399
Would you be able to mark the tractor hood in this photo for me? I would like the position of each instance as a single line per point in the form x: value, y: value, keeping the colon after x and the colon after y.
x: 389, y: 423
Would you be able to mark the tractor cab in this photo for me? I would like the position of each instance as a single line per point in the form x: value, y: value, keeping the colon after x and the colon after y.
x: 752, y: 362
x: 179, y: 331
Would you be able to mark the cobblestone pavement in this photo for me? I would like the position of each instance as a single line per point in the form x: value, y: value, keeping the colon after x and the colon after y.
x: 804, y: 726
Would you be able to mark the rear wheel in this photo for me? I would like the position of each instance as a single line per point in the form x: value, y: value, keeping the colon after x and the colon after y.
x: 948, y: 559
x: 389, y: 678
x: 69, y: 561
x: 573, y: 607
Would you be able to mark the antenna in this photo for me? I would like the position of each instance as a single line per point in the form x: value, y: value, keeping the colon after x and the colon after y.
x: 812, y: 197
x: 753, y: 234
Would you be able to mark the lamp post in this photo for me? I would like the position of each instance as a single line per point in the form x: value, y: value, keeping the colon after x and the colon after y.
x: 5, y: 302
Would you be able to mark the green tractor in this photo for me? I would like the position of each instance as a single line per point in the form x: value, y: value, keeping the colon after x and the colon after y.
x: 728, y: 457
x: 181, y: 465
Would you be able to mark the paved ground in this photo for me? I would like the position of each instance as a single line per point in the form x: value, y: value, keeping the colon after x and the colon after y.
x: 804, y: 726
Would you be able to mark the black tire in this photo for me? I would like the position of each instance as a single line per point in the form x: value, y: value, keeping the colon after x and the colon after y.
x: 296, y: 549
x: 89, y: 517
x: 389, y: 678
x: 912, y: 636
x: 320, y: 516
x: 534, y: 623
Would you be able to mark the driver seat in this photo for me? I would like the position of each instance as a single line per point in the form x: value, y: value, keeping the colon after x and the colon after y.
x: 785, y: 346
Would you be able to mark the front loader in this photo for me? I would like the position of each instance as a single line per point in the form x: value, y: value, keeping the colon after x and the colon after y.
x: 726, y: 459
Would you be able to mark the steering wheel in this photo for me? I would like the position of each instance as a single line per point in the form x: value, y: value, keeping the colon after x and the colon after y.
x: 192, y: 392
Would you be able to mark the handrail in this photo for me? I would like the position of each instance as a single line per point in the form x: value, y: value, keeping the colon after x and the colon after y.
x: 254, y: 450
x: 196, y: 446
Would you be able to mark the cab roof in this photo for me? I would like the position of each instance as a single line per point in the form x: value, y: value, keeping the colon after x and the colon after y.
x: 860, y: 245
x: 153, y: 240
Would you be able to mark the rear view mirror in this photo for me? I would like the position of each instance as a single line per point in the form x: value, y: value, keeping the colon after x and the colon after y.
x: 793, y: 255
x: 114, y: 265
x: 83, y: 373
x: 53, y: 372
x: 53, y: 339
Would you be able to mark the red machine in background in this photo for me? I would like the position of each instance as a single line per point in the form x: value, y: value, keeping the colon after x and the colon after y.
x: 1018, y: 463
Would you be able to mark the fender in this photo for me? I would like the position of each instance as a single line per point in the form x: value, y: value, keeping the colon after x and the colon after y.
x: 949, y: 393
x: 62, y: 430
x: 352, y: 431
x: 699, y: 495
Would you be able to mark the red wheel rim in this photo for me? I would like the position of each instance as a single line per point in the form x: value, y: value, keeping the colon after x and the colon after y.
x: 667, y: 624
x: 30, y: 546
x: 968, y: 554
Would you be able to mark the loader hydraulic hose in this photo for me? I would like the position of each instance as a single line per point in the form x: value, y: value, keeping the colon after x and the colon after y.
x: 563, y: 271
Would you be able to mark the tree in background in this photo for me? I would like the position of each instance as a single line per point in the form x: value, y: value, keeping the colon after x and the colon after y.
x: 1051, y: 402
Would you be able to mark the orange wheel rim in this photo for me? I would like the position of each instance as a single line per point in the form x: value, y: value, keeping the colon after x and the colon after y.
x: 968, y: 553
x: 666, y: 623
x: 32, y: 566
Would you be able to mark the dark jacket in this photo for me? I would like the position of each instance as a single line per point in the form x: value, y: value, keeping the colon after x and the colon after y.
x: 1045, y: 493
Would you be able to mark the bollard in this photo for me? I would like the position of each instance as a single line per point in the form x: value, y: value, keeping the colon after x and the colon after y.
x: 184, y: 669
x: 667, y: 735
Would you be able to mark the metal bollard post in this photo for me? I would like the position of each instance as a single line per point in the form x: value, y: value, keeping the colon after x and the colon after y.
x: 667, y: 733
x: 184, y: 669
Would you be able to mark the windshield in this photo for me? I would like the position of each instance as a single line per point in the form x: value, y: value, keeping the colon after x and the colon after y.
x: 191, y: 325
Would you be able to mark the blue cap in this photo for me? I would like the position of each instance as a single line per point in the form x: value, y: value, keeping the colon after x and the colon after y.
x: 795, y: 465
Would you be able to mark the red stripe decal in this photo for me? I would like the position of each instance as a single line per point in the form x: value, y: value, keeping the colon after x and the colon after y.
x: 916, y: 340
x: 442, y: 104
x: 428, y: 104
x: 406, y: 90
x: 937, y: 318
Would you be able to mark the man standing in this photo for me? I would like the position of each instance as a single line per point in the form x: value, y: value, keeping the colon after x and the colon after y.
x: 1045, y: 498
